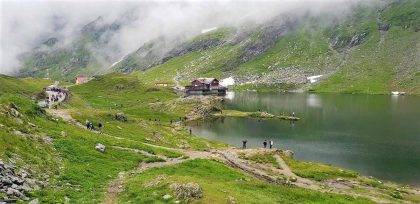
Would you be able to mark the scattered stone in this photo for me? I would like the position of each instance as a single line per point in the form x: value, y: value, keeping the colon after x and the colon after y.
x: 156, y: 181
x: 289, y: 153
x: 187, y: 191
x: 31, y: 124
x: 293, y: 179
x: 231, y: 200
x: 100, y: 147
x: 121, y: 117
x: 167, y: 197
x: 34, y: 201
x: 47, y: 140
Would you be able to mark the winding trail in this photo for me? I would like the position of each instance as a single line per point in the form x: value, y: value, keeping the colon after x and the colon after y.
x: 230, y: 156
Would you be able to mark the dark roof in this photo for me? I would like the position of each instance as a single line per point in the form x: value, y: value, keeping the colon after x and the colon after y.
x: 206, y: 80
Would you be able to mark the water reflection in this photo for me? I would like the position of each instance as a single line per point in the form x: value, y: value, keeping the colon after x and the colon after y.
x: 375, y: 135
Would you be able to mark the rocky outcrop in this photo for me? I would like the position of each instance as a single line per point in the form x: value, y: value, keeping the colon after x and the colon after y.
x: 121, y: 117
x: 187, y: 191
x: 14, y: 185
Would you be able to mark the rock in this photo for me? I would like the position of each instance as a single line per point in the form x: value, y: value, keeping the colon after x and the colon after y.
x: 186, y: 191
x: 13, y: 112
x: 47, y: 140
x: 100, y: 147
x: 11, y: 192
x: 167, y: 197
x: 231, y: 200
x: 121, y: 117
x: 289, y: 153
x: 34, y: 201
x: 293, y: 179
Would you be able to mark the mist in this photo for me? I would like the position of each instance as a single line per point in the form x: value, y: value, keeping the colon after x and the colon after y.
x: 25, y: 24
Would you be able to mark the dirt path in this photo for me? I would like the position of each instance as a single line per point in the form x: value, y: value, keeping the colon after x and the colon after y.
x: 230, y: 157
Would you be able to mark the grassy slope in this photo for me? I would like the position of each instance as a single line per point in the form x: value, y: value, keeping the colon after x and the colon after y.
x: 219, y: 183
x: 304, y: 48
x: 381, y: 65
x: 71, y: 164
x: 378, y: 64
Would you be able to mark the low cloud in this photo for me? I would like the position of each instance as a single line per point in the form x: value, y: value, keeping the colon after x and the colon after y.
x: 24, y: 24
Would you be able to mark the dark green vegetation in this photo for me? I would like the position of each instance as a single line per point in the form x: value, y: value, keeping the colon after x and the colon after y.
x: 372, y: 50
x: 220, y: 184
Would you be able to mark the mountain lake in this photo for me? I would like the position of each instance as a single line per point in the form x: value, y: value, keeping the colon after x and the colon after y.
x: 376, y: 135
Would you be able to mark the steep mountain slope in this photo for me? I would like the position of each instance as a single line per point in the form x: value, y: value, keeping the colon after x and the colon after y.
x: 87, y: 54
x: 375, y: 49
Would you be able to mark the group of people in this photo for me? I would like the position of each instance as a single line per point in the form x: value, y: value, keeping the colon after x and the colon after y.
x: 90, y: 126
x: 269, y: 144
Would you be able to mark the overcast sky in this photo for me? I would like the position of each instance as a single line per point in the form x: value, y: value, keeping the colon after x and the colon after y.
x: 24, y: 24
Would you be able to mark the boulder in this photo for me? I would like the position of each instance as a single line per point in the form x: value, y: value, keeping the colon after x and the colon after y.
x: 289, y: 153
x: 100, y: 147
x: 167, y: 197
x: 187, y: 191
x: 121, y: 117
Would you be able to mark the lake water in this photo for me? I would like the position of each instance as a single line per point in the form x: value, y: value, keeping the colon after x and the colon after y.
x: 376, y: 135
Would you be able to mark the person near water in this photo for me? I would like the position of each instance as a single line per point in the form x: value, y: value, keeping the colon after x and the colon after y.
x: 271, y: 144
x: 244, y: 144
x: 293, y: 114
x: 265, y: 144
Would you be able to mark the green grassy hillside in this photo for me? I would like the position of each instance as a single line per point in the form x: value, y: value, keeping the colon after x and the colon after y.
x: 372, y: 51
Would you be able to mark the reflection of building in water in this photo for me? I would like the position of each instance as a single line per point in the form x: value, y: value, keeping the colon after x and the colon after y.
x: 312, y: 100
x: 230, y: 95
x: 314, y: 79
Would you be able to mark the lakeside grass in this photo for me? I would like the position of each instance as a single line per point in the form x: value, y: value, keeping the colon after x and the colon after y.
x: 220, y: 183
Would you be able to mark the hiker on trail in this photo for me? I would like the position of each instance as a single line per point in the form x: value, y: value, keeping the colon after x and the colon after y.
x: 265, y: 144
x: 244, y: 144
x: 91, y: 126
x: 271, y: 144
x: 190, y: 131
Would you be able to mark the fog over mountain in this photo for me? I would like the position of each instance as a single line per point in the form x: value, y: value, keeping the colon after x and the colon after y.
x: 26, y: 24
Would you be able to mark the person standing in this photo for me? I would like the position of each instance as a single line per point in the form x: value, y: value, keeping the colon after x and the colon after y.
x: 265, y: 144
x: 244, y: 144
x: 271, y: 144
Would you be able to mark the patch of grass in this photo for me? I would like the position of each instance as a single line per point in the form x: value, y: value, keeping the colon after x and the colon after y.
x: 262, y: 158
x: 316, y: 171
x: 220, y: 182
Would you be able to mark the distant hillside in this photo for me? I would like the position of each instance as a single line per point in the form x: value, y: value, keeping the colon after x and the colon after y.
x: 84, y: 55
x: 373, y: 50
